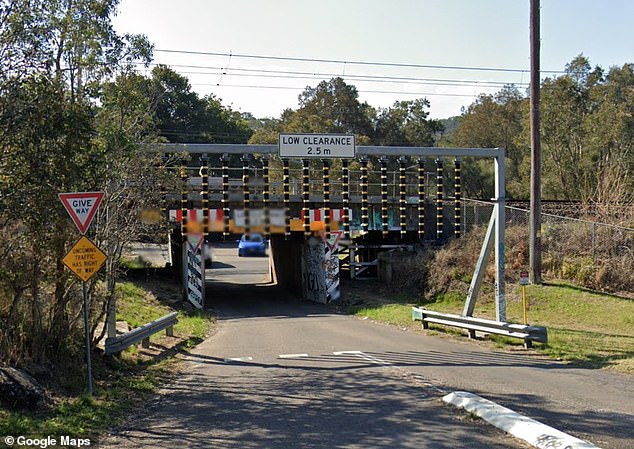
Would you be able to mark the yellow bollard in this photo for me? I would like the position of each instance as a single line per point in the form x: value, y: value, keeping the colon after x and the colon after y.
x: 524, y: 282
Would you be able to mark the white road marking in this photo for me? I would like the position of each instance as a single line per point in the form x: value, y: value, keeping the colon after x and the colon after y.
x: 364, y: 356
x: 291, y: 356
x: 239, y: 359
x: 347, y: 353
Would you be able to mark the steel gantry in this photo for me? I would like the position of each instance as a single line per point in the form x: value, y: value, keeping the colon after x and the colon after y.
x: 283, y: 222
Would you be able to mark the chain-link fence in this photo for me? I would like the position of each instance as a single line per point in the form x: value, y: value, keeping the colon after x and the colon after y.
x: 587, y: 253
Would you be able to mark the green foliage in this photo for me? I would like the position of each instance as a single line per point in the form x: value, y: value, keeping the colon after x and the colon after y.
x: 120, y: 383
x: 333, y: 107
x: 494, y: 121
x: 585, y: 328
x: 135, y: 306
x: 182, y: 116
x: 55, y: 137
x: 406, y: 123
x: 396, y: 314
x: 587, y: 134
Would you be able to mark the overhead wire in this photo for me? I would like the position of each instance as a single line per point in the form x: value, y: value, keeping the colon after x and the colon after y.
x: 484, y: 85
x: 289, y: 74
x: 352, y: 62
x: 444, y: 94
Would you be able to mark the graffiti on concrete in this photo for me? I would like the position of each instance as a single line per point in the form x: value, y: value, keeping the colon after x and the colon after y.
x: 551, y: 442
x: 313, y: 276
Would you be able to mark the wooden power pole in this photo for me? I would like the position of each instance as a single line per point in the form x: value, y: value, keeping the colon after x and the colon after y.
x: 535, y: 238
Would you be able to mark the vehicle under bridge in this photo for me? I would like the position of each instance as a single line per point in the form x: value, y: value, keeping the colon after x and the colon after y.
x: 313, y: 196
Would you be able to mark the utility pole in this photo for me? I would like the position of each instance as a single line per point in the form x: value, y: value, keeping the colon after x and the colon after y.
x: 535, y: 237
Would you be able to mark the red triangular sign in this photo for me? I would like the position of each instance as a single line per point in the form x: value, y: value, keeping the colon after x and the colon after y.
x: 195, y: 240
x: 82, y: 207
x: 333, y: 241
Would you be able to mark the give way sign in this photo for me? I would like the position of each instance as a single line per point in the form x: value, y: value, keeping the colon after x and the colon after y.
x: 82, y: 207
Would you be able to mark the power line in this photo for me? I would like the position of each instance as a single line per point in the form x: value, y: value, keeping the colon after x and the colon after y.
x: 429, y: 94
x: 340, y: 61
x: 288, y: 74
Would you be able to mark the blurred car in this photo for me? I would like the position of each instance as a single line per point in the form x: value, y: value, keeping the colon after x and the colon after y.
x: 252, y: 245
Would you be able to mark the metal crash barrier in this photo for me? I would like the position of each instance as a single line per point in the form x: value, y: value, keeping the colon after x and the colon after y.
x: 523, y: 331
x: 142, y: 334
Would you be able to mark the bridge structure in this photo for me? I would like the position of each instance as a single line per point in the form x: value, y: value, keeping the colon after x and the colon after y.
x: 307, y: 199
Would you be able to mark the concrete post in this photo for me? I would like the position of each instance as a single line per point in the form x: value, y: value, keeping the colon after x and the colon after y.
x: 313, y: 273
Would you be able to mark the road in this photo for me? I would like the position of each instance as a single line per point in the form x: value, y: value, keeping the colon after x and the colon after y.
x: 280, y: 373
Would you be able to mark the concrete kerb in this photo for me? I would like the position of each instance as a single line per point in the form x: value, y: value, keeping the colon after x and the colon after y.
x: 522, y: 427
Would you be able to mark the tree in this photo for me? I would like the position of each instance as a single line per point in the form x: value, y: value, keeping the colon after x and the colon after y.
x: 182, y: 116
x: 495, y: 121
x: 331, y: 107
x: 60, y: 53
x: 568, y: 169
x: 406, y: 123
x: 610, y: 131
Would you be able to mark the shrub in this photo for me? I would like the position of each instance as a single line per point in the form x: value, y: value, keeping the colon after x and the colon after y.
x: 567, y: 254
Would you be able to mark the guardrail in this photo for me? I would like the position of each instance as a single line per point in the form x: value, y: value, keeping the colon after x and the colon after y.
x: 523, y: 331
x: 142, y: 334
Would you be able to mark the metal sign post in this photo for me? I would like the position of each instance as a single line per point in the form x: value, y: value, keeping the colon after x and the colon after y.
x: 84, y: 258
x: 87, y: 338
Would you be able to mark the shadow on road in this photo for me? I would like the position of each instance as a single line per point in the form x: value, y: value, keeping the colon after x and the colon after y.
x: 298, y: 408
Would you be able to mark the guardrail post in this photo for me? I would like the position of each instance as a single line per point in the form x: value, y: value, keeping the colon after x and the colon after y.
x: 169, y: 331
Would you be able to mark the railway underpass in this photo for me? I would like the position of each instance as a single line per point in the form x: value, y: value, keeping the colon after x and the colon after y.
x: 323, y: 209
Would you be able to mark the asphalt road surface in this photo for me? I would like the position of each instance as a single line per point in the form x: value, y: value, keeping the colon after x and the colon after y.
x: 281, y: 373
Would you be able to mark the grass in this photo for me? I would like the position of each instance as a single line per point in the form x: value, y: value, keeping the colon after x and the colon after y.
x: 589, y: 329
x: 120, y: 383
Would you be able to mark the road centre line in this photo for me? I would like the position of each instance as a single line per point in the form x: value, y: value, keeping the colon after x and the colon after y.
x: 291, y: 356
x: 238, y: 359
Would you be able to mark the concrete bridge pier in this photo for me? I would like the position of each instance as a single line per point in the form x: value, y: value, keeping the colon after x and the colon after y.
x: 306, y: 266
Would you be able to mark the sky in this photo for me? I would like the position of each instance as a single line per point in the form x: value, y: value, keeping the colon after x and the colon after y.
x: 257, y: 56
